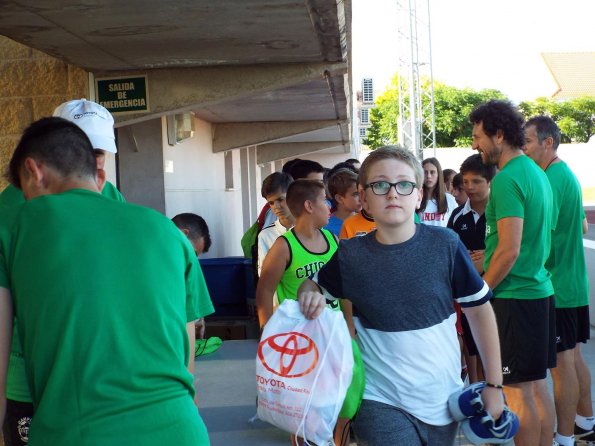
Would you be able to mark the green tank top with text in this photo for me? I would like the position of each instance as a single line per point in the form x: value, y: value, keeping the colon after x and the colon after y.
x: 303, y: 264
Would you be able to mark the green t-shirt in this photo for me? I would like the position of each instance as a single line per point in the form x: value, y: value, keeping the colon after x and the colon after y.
x: 16, y: 382
x: 110, y: 191
x: 522, y: 190
x: 10, y: 197
x: 302, y: 264
x: 566, y: 261
x: 102, y: 292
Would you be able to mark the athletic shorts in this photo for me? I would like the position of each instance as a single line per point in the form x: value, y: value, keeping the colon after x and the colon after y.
x: 572, y: 327
x: 527, y: 331
x: 468, y: 337
x: 378, y: 424
x: 16, y: 423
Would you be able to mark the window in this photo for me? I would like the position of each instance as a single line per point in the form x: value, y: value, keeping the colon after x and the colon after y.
x: 368, y: 91
x: 362, y: 132
x: 365, y: 116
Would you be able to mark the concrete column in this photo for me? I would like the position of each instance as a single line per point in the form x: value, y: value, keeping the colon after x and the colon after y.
x: 140, y: 158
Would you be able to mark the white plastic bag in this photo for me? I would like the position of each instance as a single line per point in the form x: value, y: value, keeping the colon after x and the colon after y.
x: 303, y: 370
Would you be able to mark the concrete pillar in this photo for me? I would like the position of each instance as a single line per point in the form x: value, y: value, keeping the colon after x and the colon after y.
x: 140, y: 156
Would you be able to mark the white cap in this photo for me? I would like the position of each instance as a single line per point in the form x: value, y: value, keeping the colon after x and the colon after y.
x: 93, y: 119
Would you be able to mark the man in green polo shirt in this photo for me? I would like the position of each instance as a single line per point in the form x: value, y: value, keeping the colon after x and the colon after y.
x: 519, y: 221
x: 566, y: 263
x: 101, y: 313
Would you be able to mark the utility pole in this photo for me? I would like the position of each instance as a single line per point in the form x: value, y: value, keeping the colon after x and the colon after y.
x: 417, y: 125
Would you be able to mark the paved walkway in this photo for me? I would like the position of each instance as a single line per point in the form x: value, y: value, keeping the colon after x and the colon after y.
x: 226, y: 385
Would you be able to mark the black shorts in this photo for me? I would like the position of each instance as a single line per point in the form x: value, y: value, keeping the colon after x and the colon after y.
x: 572, y: 327
x: 527, y: 331
x: 16, y: 423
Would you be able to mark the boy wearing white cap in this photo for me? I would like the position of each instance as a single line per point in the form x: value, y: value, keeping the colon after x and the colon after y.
x: 97, y: 122
x: 98, y: 125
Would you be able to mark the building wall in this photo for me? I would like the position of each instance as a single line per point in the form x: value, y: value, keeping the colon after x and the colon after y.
x: 32, y: 84
x: 187, y: 177
x: 579, y: 157
x: 194, y: 181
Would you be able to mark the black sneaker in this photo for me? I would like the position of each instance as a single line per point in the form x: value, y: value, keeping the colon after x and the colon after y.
x: 584, y: 437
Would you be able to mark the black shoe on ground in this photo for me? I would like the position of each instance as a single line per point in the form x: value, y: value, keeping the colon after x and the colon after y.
x: 583, y: 437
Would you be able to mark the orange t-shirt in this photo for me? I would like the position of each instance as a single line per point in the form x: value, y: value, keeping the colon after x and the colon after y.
x: 358, y: 224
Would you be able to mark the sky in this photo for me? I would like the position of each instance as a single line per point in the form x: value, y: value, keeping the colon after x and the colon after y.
x: 477, y: 43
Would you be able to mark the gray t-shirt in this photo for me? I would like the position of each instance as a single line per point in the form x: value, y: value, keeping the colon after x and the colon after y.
x: 402, y: 299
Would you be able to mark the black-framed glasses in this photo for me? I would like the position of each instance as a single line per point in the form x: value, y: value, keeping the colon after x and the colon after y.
x: 382, y: 187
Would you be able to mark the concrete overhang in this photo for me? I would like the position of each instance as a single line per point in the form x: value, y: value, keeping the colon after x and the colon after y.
x: 277, y: 64
x: 276, y: 151
x: 236, y: 135
x: 244, y: 93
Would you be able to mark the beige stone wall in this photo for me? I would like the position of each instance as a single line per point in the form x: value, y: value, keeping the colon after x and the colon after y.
x: 32, y: 84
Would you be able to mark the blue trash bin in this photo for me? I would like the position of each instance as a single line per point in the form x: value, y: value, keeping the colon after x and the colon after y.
x: 230, y: 283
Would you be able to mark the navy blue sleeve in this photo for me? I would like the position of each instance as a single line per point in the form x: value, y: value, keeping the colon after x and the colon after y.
x: 451, y: 221
x: 453, y: 216
x: 468, y: 288
x: 329, y: 276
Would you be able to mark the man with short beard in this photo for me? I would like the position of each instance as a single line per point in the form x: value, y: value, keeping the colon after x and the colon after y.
x: 519, y: 221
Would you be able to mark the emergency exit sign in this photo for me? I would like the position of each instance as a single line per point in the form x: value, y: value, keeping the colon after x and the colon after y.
x: 123, y: 94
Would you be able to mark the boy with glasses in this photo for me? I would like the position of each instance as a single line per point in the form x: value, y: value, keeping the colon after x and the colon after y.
x: 406, y: 326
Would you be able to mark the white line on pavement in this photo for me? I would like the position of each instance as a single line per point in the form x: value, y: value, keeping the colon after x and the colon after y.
x: 589, y: 243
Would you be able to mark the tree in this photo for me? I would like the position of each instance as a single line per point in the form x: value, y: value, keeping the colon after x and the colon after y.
x: 374, y: 135
x: 575, y: 117
x: 452, y: 107
x: 578, y: 120
x: 541, y: 106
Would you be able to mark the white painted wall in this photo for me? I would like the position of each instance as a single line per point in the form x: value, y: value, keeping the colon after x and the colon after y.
x: 327, y: 159
x: 110, y: 167
x: 195, y: 182
x: 579, y: 157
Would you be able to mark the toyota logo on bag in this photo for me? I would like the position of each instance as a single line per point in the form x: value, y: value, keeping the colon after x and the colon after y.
x: 282, y: 352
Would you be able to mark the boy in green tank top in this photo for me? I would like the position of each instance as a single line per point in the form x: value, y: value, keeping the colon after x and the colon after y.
x: 298, y: 254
